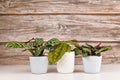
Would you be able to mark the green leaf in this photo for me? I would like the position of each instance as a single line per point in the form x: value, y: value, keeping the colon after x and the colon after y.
x: 15, y: 44
x: 52, y: 42
x: 29, y: 46
x: 86, y: 50
x: 59, y: 51
x: 104, y: 48
x: 77, y: 51
x: 39, y: 52
x: 50, y: 48
x: 38, y: 42
x: 73, y: 43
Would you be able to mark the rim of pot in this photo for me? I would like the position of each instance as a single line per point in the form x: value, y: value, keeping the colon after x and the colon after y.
x: 39, y: 56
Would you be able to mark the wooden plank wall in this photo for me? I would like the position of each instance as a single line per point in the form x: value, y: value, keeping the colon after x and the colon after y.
x: 89, y: 21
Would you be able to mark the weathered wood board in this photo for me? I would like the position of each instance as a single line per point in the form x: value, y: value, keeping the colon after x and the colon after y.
x: 59, y: 7
x: 84, y: 20
x: 80, y: 27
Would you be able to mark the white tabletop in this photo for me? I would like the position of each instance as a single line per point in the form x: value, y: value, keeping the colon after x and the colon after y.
x: 22, y: 72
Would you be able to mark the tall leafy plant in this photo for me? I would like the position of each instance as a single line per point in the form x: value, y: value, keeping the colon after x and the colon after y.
x: 36, y: 45
x: 89, y: 50
x: 64, y: 46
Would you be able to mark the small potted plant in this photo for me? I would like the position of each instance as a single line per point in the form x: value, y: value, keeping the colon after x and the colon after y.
x: 64, y: 56
x: 38, y: 60
x: 91, y: 56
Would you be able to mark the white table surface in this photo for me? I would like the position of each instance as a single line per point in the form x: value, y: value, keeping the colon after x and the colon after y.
x: 22, y: 72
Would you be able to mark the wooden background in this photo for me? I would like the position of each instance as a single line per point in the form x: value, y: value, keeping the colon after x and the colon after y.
x: 89, y: 21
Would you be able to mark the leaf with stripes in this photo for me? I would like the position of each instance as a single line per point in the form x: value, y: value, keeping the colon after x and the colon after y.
x: 15, y: 44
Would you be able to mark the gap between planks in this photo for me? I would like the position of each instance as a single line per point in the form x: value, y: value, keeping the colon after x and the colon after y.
x: 14, y: 14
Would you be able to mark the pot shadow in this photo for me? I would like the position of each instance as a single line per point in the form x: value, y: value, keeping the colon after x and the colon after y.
x: 77, y: 69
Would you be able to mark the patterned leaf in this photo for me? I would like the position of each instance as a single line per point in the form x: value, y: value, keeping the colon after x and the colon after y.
x: 59, y: 51
x: 15, y: 44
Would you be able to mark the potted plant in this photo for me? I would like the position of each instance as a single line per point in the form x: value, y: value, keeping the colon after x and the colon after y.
x: 64, y: 56
x: 38, y: 60
x: 91, y: 56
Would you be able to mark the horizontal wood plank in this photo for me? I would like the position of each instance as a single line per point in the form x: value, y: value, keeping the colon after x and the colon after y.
x: 59, y: 6
x: 80, y: 27
x: 16, y: 56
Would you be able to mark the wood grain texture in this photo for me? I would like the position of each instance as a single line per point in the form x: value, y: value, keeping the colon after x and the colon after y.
x: 80, y: 27
x: 59, y: 7
x: 85, y: 20
x: 16, y: 56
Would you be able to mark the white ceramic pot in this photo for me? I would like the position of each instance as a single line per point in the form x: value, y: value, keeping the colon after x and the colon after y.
x: 66, y: 63
x: 92, y: 64
x: 39, y: 64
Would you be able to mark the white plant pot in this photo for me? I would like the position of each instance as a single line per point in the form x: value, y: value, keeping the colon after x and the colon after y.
x: 39, y: 64
x: 92, y: 64
x: 66, y: 63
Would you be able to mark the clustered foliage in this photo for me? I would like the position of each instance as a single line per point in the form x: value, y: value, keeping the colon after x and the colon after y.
x: 89, y: 50
x: 36, y: 45
x: 58, y: 48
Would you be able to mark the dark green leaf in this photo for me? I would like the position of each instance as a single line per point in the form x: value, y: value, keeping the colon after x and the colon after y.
x: 104, y: 48
x: 38, y: 42
x: 52, y: 42
x: 39, y: 52
x: 77, y: 51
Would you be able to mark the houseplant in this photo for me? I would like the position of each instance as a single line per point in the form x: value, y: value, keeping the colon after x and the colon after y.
x: 91, y: 56
x: 38, y: 60
x: 63, y: 55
